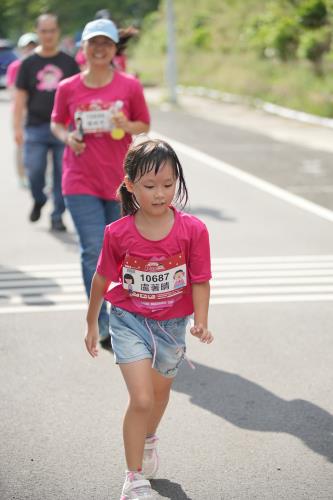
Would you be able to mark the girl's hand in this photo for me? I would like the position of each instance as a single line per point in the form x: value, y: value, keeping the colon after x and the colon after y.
x: 75, y: 142
x: 202, y: 333
x: 91, y: 340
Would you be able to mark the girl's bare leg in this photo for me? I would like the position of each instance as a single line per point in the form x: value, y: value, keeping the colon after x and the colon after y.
x: 161, y: 391
x: 138, y: 378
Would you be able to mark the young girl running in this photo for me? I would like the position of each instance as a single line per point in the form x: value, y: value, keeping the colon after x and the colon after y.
x: 160, y: 258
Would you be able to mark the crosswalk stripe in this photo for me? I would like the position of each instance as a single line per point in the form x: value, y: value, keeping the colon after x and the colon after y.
x: 7, y: 284
x: 269, y: 281
x: 218, y: 273
x: 283, y: 258
x: 73, y: 297
x: 59, y: 287
x: 272, y: 298
x: 271, y: 289
x: 33, y: 291
x: 39, y: 274
x: 47, y: 267
x: 215, y: 260
x: 44, y: 308
x: 294, y: 265
x: 267, y: 273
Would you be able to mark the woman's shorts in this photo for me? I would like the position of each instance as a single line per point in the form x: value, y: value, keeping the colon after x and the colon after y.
x: 135, y: 337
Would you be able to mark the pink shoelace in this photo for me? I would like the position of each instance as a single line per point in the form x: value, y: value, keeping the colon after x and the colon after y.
x: 173, y: 340
x: 141, y: 486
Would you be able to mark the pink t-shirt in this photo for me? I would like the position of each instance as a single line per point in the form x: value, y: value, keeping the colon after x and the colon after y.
x: 11, y: 72
x: 80, y: 58
x: 98, y: 171
x: 120, y: 62
x: 154, y: 277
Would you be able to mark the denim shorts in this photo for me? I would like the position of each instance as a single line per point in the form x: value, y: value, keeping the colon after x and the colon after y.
x: 135, y: 337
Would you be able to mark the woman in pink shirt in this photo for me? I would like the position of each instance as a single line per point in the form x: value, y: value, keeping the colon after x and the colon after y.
x: 26, y: 44
x: 159, y: 258
x: 96, y: 113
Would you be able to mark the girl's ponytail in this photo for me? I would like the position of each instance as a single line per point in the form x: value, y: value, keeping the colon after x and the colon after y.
x: 127, y: 200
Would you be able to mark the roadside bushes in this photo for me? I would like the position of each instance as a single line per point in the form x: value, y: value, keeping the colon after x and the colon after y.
x: 290, y: 30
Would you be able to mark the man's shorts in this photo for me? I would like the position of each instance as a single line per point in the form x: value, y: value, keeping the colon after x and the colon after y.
x: 135, y: 337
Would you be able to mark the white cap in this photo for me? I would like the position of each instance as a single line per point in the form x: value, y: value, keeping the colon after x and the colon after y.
x: 104, y: 27
x: 27, y: 38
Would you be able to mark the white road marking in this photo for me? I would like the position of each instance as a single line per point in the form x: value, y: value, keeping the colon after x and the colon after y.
x: 250, y: 179
x: 238, y: 280
x: 272, y: 281
x: 258, y: 266
x: 16, y: 283
x: 270, y: 289
x: 271, y: 273
x: 46, y: 308
x: 271, y: 299
x: 279, y: 258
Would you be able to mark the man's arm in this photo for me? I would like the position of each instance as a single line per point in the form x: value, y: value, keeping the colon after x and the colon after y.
x: 20, y: 104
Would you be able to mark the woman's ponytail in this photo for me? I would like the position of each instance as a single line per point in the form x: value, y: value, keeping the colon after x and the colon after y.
x: 127, y: 200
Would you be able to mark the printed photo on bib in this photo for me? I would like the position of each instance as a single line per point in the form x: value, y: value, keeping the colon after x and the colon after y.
x: 97, y: 116
x: 155, y: 283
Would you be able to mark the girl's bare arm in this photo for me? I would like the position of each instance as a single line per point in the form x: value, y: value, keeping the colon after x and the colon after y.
x: 200, y: 297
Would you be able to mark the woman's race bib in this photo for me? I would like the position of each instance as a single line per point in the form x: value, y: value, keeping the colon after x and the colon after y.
x: 96, y: 117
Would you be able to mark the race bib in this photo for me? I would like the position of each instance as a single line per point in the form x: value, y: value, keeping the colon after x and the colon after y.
x: 96, y: 117
x: 155, y: 283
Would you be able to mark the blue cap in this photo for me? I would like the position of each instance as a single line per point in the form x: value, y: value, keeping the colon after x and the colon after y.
x: 100, y: 27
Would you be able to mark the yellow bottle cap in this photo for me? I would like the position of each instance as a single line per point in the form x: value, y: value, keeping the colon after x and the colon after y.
x: 117, y: 133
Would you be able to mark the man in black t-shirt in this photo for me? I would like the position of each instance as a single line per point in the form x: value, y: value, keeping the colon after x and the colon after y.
x: 36, y: 83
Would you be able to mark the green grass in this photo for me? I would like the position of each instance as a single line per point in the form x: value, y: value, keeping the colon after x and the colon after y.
x: 223, y: 61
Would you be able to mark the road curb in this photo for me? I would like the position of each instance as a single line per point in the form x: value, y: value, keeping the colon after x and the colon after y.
x: 268, y: 107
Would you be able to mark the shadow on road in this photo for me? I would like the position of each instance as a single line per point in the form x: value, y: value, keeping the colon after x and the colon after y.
x: 247, y: 405
x: 25, y: 288
x: 208, y: 212
x: 68, y: 238
x: 168, y: 489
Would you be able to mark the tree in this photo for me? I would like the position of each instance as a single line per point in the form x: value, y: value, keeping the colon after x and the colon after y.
x: 294, y: 28
x: 314, y: 45
x: 17, y: 16
x: 313, y: 13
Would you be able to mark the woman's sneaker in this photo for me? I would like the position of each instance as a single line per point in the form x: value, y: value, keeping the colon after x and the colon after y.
x: 136, y: 487
x: 150, y: 458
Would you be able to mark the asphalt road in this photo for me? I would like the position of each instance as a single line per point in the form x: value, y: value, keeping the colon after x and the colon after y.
x: 254, y: 420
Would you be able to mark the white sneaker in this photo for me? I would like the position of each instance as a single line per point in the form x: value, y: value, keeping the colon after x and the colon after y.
x: 136, y: 487
x: 150, y: 458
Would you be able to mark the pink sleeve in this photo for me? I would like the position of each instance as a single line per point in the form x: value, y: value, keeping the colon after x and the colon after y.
x: 60, y: 112
x: 80, y: 58
x: 11, y: 74
x: 120, y: 62
x: 109, y: 261
x: 199, y: 259
x: 139, y: 109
